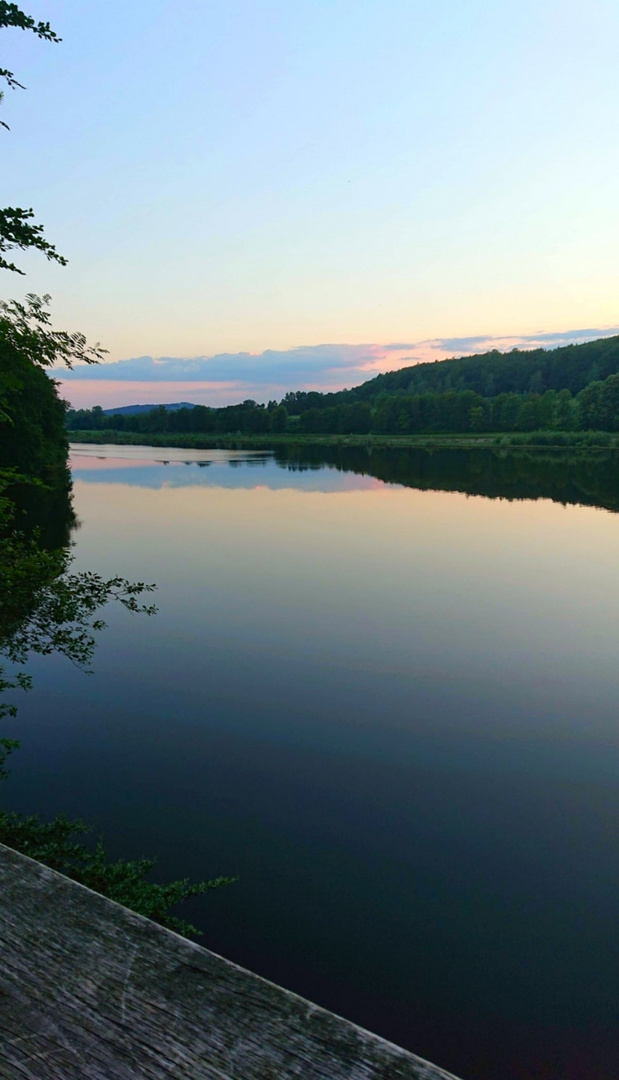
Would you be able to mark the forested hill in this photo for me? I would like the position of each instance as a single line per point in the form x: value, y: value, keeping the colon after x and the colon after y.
x: 575, y: 387
x: 570, y: 367
x: 131, y: 410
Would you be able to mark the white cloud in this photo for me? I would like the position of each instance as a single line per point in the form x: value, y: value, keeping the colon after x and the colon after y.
x: 307, y: 363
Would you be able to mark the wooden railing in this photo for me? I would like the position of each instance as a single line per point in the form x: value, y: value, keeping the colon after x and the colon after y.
x: 91, y: 991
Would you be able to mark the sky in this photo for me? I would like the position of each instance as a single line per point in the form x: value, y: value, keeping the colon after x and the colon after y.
x: 298, y: 194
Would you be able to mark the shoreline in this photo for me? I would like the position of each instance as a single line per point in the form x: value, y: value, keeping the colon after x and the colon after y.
x: 588, y: 442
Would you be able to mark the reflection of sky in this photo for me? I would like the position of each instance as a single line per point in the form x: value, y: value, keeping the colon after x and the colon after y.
x: 149, y: 467
x: 442, y: 583
x: 392, y: 712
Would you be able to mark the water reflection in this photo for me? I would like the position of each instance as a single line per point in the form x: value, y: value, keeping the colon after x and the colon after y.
x: 44, y: 509
x: 144, y: 467
x: 391, y: 709
x: 587, y: 479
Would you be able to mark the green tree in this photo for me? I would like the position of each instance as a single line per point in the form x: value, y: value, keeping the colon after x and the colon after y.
x: 17, y: 230
x: 477, y: 418
x: 11, y: 15
x: 32, y: 435
x: 278, y: 418
x: 565, y: 415
x: 529, y: 415
x: 548, y: 405
x: 598, y: 405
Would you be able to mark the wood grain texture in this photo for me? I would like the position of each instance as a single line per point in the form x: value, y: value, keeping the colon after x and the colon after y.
x: 91, y: 991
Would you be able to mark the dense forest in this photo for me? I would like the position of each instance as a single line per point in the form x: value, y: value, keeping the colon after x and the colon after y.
x: 573, y: 388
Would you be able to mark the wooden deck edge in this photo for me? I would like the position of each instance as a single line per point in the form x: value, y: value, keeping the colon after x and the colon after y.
x: 91, y: 991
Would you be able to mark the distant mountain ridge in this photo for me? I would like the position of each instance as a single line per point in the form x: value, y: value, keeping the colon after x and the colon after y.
x: 132, y: 410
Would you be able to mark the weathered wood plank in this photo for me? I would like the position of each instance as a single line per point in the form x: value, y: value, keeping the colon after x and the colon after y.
x: 91, y: 991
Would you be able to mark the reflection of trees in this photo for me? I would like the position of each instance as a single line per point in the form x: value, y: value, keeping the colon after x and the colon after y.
x: 46, y: 608
x: 590, y: 479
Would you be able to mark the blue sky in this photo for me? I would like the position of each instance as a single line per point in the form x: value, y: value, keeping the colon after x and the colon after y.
x: 255, y: 177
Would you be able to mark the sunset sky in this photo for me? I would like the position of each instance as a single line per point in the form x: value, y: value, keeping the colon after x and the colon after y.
x: 247, y: 181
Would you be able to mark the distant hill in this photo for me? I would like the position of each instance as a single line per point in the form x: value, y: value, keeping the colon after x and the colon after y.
x: 132, y: 410
x: 570, y: 367
x: 490, y: 374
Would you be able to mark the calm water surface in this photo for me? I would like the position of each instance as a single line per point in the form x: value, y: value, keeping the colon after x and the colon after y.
x: 393, y: 712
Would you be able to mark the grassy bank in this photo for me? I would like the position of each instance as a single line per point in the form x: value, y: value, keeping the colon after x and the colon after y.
x: 573, y: 440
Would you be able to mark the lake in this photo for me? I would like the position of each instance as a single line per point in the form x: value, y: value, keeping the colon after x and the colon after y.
x: 382, y: 689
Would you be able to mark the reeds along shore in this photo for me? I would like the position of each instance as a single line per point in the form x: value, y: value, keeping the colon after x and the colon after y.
x: 567, y: 440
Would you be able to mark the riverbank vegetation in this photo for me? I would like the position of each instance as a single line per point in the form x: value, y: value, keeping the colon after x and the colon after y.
x: 577, y: 441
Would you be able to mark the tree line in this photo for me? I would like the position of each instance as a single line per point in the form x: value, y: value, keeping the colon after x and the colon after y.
x: 596, y: 407
x: 249, y: 416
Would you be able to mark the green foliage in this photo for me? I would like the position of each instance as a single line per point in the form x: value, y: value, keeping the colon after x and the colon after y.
x: 342, y: 419
x: 573, y: 439
x: 246, y: 417
x: 11, y: 15
x: 32, y: 416
x: 529, y: 418
x: 391, y: 414
x: 599, y: 404
x: 27, y: 329
x: 279, y: 418
x: 18, y: 232
x: 16, y: 228
x: 53, y: 844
